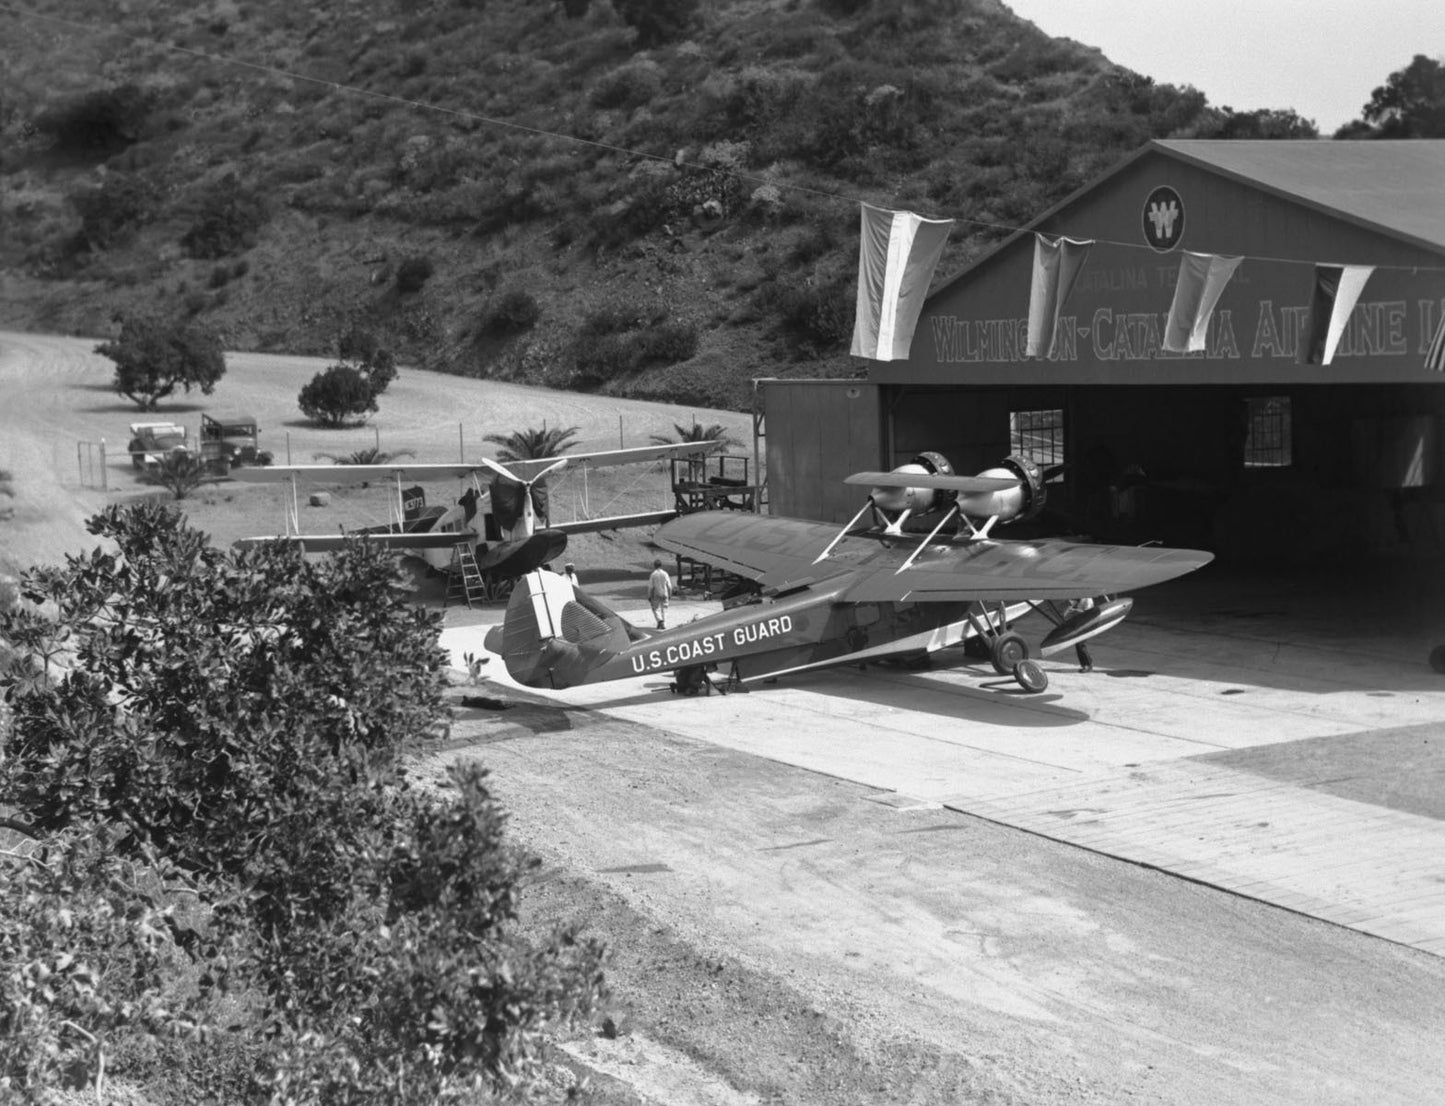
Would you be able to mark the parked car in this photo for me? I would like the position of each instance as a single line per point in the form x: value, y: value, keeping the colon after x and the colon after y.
x: 230, y: 441
x: 150, y: 441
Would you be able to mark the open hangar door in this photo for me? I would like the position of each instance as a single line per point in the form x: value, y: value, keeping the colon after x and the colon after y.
x: 1257, y: 473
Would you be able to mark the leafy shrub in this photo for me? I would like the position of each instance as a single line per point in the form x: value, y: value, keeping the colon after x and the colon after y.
x: 229, y: 217
x: 513, y: 312
x: 337, y: 395
x: 266, y: 702
x: 88, y: 956
x: 632, y: 85
x: 820, y: 319
x: 607, y: 355
x: 413, y: 273
x: 120, y: 202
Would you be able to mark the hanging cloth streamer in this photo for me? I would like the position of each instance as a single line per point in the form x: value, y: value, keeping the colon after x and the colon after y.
x: 1202, y: 277
x: 897, y: 253
x: 1337, y: 290
x: 1057, y: 265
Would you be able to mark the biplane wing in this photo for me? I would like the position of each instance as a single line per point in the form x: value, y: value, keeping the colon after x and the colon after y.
x: 522, y: 470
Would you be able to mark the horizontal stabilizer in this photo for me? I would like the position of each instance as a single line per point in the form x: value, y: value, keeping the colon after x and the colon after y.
x: 968, y: 485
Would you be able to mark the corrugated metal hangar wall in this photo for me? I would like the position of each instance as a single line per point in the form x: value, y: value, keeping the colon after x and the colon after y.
x: 1240, y: 448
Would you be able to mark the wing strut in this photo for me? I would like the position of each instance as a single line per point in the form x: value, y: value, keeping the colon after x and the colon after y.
x: 823, y: 556
x: 924, y: 543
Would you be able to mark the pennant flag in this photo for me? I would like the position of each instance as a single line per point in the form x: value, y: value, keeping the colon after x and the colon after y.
x: 1057, y: 265
x: 1202, y: 277
x: 896, y: 257
x: 1337, y: 290
x: 1435, y: 355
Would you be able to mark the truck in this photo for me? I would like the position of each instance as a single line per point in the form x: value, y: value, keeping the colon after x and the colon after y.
x: 151, y: 441
x: 230, y: 441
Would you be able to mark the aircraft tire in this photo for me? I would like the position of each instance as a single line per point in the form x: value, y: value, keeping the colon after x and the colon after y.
x: 1007, y: 651
x: 1030, y: 676
x: 1437, y: 659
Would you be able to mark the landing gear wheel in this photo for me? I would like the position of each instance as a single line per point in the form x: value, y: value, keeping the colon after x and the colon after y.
x: 1437, y: 658
x: 1007, y: 651
x: 1030, y: 676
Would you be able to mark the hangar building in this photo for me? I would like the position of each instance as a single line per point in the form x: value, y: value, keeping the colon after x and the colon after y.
x: 1241, y: 447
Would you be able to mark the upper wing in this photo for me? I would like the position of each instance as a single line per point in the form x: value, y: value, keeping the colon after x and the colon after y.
x: 329, y: 543
x: 1016, y: 570
x: 523, y: 470
x: 969, y: 485
x: 757, y: 547
x: 348, y: 474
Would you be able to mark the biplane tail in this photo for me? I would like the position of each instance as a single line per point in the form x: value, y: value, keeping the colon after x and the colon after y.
x: 555, y: 635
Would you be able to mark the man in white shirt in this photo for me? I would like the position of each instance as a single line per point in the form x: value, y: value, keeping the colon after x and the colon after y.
x: 659, y: 591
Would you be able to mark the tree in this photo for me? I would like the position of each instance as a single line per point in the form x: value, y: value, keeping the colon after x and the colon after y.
x: 237, y: 719
x: 697, y: 432
x: 1265, y: 123
x: 154, y: 355
x: 349, y: 390
x: 1410, y: 104
x: 525, y: 445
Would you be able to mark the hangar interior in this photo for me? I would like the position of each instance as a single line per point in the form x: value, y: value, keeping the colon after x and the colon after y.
x: 1304, y: 472
x: 1248, y: 448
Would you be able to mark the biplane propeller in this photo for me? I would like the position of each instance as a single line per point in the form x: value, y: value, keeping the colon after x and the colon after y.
x: 916, y: 569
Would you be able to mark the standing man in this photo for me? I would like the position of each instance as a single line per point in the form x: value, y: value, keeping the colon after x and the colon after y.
x: 659, y: 591
x: 1081, y: 650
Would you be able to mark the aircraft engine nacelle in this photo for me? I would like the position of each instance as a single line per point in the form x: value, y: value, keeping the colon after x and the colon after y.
x: 917, y: 500
x: 1023, y: 501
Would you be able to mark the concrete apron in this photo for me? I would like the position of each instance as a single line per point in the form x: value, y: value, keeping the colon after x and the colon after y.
x: 1302, y: 775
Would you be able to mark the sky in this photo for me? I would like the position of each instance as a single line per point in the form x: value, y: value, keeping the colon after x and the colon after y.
x: 1322, y: 58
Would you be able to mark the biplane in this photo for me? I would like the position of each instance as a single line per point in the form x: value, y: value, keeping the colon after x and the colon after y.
x: 916, y: 570
x: 513, y: 507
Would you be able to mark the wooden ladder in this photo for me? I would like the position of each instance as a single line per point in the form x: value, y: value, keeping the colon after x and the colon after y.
x: 464, y: 579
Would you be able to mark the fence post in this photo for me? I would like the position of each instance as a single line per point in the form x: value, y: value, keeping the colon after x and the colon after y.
x: 461, y: 447
x: 288, y: 447
x: 104, y: 480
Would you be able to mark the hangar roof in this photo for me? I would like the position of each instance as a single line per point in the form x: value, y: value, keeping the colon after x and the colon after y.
x: 1394, y: 186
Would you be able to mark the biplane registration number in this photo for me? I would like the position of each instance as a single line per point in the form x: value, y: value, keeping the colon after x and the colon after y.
x: 691, y: 651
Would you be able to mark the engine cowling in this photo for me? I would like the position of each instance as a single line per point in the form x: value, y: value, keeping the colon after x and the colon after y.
x: 917, y: 500
x: 1016, y: 504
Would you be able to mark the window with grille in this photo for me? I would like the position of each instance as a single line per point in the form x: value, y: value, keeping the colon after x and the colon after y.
x: 1038, y: 435
x: 1267, y: 443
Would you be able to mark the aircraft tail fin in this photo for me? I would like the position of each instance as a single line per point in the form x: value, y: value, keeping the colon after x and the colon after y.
x: 556, y: 635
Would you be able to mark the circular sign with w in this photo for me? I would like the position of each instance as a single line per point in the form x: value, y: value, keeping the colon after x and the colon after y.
x: 1163, y: 219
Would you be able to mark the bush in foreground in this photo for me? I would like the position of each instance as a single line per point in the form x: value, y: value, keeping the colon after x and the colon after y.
x: 231, y: 725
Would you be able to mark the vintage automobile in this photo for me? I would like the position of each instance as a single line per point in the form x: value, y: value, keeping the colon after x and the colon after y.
x: 151, y: 441
x: 228, y: 442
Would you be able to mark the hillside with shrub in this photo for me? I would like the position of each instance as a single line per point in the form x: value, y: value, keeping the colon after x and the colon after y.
x: 654, y: 198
